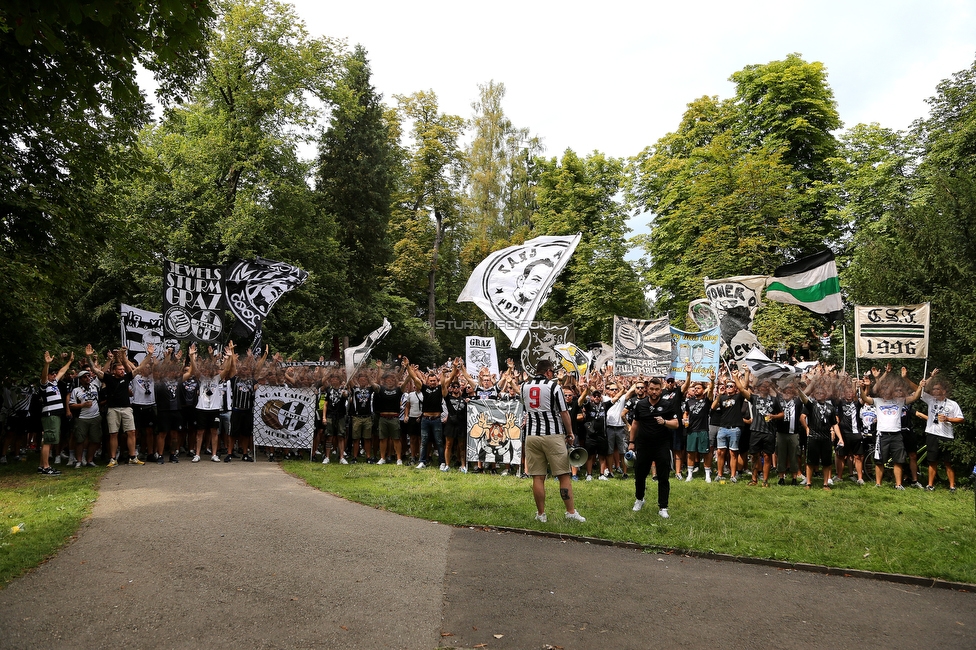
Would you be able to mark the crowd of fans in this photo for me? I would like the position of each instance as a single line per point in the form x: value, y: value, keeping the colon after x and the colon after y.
x: 735, y: 427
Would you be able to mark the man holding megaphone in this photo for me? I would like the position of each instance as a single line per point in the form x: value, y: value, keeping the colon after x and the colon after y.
x: 547, y: 430
x: 650, y: 438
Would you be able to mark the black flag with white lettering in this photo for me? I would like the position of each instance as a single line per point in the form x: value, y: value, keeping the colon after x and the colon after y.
x: 193, y: 302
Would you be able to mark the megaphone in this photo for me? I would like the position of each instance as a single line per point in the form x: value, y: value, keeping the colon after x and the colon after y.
x: 629, y: 459
x: 578, y: 456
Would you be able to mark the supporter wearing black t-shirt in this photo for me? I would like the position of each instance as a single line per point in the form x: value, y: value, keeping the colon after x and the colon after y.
x: 650, y: 438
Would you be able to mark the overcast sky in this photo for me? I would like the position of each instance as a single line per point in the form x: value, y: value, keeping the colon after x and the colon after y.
x: 616, y: 76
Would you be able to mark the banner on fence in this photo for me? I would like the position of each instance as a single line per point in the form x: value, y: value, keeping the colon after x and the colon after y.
x: 284, y: 417
x: 494, y: 431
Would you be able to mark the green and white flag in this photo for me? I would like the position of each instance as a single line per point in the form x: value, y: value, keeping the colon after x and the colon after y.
x: 811, y: 283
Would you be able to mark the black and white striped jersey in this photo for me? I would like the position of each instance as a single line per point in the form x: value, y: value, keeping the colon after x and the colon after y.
x: 544, y: 401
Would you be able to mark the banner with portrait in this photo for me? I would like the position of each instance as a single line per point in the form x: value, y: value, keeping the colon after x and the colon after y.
x: 736, y: 301
x: 511, y: 284
x: 892, y: 332
x: 494, y: 431
x: 284, y: 417
x: 193, y: 302
x: 700, y: 349
x: 641, y: 347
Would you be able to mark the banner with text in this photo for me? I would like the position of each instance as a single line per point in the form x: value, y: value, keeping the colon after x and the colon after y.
x: 479, y: 352
x: 494, y: 433
x: 193, y: 302
x: 892, y: 332
x: 284, y: 417
x: 736, y: 300
x: 700, y: 349
x: 641, y: 347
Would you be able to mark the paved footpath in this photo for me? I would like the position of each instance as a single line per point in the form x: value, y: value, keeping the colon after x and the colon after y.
x: 245, y: 556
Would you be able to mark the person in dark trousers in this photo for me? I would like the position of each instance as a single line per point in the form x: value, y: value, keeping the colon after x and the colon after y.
x: 650, y: 438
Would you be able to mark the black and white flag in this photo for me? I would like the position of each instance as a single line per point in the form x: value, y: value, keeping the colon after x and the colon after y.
x: 141, y: 328
x: 253, y: 288
x: 193, y: 302
x: 356, y: 356
x: 763, y: 368
x: 511, y: 284
x: 641, y: 347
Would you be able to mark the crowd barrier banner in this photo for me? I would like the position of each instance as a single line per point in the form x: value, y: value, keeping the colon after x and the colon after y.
x: 284, y: 417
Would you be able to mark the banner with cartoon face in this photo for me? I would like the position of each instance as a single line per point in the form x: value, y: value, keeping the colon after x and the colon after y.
x: 193, y: 302
x: 736, y: 300
x: 494, y: 431
x: 284, y: 417
x: 511, y: 284
x: 641, y: 347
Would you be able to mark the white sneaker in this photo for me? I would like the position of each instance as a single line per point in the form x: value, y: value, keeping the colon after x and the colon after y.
x: 678, y: 477
x: 464, y: 468
x: 381, y: 461
x: 445, y: 467
x: 57, y: 459
x: 325, y: 461
x: 603, y: 477
x: 688, y: 480
x: 589, y: 478
x: 830, y: 482
x: 708, y: 476
x: 215, y: 458
x: 421, y: 465
x: 343, y: 461
x: 505, y: 473
x: 606, y: 473
x: 78, y: 464
x: 638, y: 504
x: 803, y: 480
x: 196, y: 458
x: 575, y: 516
x: 541, y: 518
x: 399, y: 462
x: 664, y: 513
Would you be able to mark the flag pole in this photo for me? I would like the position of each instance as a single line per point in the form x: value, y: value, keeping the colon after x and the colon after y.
x: 844, y: 329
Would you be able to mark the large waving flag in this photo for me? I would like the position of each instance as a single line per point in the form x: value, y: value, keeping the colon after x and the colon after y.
x: 811, y: 283
x: 356, y: 356
x: 511, y: 284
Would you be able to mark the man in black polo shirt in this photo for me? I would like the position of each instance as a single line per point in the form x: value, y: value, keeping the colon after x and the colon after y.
x: 650, y: 437
x: 119, y: 416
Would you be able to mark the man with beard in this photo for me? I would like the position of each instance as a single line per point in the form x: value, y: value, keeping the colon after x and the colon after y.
x: 762, y: 442
x: 650, y: 438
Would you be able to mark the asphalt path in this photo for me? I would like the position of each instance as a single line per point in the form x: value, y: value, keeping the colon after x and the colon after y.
x: 246, y: 556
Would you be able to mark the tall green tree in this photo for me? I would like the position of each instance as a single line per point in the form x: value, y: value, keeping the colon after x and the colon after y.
x: 582, y: 195
x: 221, y: 177
x: 429, y: 207
x: 354, y: 186
x: 69, y: 99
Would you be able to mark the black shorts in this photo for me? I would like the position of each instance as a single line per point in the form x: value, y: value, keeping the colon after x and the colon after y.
x: 745, y: 438
x: 242, y: 424
x: 761, y: 443
x: 144, y: 415
x: 596, y: 445
x: 188, y: 417
x: 168, y: 421
x: 18, y: 423
x: 454, y: 430
x: 853, y: 446
x: 889, y: 445
x: 819, y: 451
x: 909, y: 441
x: 208, y: 420
x: 934, y: 451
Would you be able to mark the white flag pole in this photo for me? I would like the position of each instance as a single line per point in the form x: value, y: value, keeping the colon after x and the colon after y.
x: 844, y: 329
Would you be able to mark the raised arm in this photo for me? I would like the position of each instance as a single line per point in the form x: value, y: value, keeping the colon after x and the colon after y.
x: 47, y: 365
x: 93, y: 361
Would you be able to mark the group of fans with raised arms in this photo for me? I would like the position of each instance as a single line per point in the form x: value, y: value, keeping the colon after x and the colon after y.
x: 823, y: 423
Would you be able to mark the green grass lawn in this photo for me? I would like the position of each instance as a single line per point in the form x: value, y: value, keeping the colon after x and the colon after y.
x: 51, y: 509
x: 873, y: 529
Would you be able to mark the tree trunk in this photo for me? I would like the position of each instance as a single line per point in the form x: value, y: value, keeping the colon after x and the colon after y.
x: 432, y: 276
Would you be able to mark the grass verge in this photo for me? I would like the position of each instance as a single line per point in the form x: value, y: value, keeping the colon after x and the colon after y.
x: 872, y: 529
x: 51, y: 509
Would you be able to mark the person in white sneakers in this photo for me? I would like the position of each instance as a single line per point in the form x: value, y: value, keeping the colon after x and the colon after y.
x: 51, y: 411
x: 548, y: 429
x: 943, y: 414
x: 650, y: 438
x: 88, y: 420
